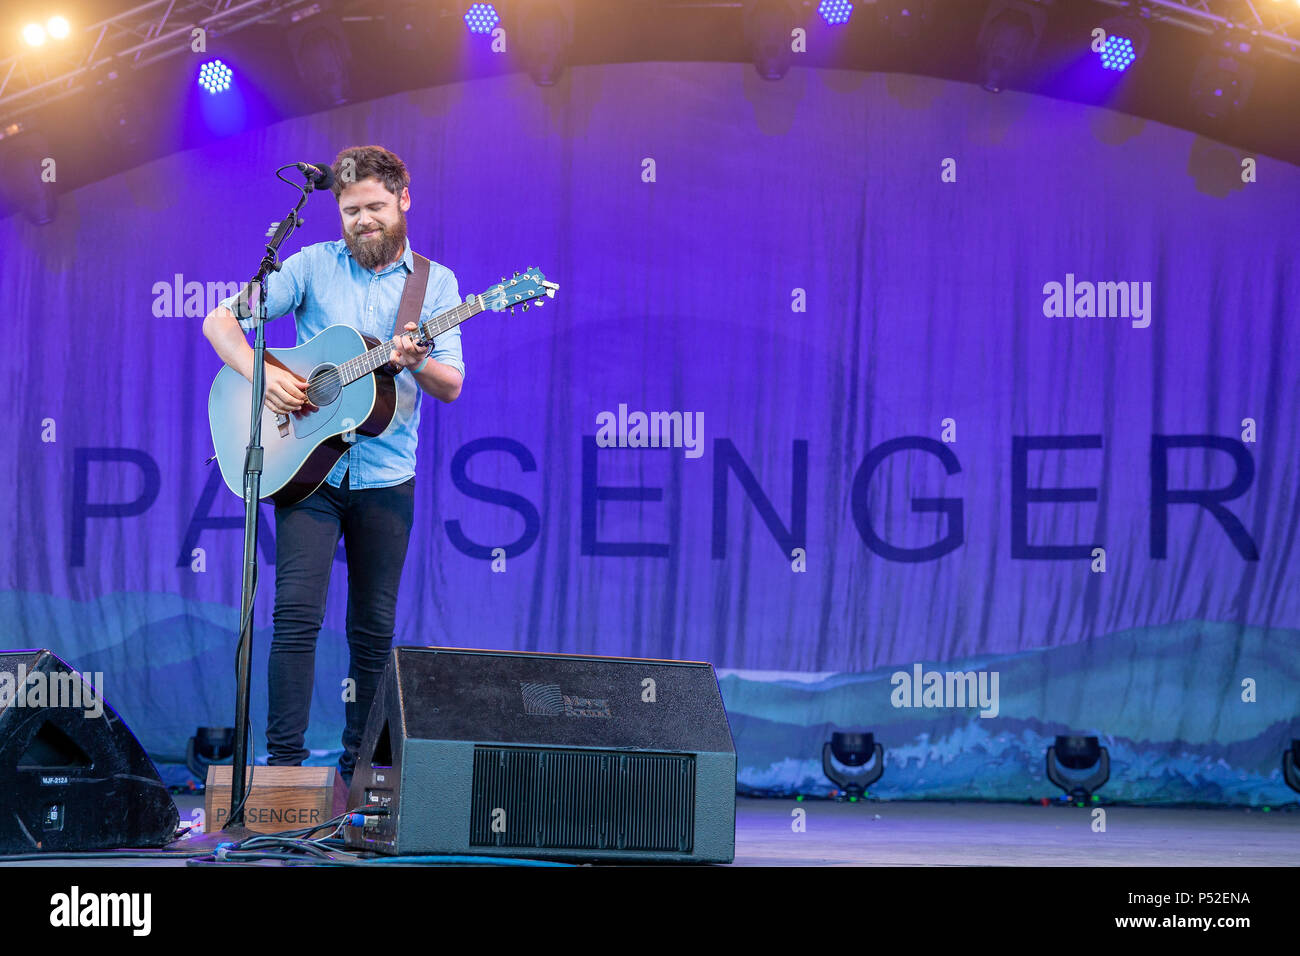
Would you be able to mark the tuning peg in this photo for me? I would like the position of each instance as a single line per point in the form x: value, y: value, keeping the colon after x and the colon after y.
x: 503, y: 278
x: 526, y: 304
x: 539, y: 303
x: 512, y: 310
x: 516, y: 272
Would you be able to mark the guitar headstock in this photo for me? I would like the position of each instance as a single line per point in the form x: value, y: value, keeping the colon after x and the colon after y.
x: 523, y: 288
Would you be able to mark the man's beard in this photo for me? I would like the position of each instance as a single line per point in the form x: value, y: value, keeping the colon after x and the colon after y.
x: 375, y: 252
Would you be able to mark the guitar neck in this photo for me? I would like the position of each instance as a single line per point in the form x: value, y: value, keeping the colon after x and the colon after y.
x: 367, y: 362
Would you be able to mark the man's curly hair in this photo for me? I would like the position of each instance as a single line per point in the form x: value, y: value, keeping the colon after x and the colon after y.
x: 361, y: 162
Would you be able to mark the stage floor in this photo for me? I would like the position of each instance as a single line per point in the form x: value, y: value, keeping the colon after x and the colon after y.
x: 1006, y: 834
x: 969, y: 834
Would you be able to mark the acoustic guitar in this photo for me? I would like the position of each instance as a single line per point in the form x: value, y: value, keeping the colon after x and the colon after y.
x: 349, y: 380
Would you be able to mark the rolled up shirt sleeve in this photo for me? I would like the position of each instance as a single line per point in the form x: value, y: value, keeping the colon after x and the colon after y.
x: 284, y: 291
x: 446, y: 347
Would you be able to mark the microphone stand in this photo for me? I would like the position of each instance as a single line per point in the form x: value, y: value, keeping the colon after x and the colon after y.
x: 252, y: 494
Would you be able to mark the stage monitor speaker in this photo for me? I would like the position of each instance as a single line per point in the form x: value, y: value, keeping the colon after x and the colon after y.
x: 553, y: 756
x: 72, y: 776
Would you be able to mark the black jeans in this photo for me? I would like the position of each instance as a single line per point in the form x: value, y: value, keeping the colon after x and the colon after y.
x: 376, y: 527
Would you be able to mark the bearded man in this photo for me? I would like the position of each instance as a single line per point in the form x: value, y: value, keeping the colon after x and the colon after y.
x: 368, y: 499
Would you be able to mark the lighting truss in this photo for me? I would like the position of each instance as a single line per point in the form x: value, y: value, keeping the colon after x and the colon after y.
x: 1274, y: 25
x: 145, y: 34
x: 159, y: 29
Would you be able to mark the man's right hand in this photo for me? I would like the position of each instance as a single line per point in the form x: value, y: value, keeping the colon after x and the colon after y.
x: 286, y: 393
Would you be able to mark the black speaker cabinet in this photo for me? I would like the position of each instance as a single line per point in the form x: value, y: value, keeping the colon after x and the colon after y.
x: 502, y: 753
x: 72, y: 776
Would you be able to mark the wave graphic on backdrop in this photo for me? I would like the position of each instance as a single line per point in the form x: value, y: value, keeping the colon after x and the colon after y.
x: 169, y: 669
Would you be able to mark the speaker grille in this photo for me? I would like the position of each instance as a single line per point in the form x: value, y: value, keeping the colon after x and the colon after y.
x: 583, y: 800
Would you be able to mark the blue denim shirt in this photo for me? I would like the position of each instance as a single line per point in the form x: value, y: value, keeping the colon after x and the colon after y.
x: 323, y: 285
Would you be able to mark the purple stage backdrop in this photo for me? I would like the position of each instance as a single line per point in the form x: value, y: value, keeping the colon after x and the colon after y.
x: 902, y: 317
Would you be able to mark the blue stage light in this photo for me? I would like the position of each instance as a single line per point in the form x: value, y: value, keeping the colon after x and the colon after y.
x: 481, y: 18
x: 1118, y: 53
x: 215, y: 76
x: 835, y: 12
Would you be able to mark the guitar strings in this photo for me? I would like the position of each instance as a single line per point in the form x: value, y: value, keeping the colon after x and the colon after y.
x: 371, y: 355
x: 329, y: 379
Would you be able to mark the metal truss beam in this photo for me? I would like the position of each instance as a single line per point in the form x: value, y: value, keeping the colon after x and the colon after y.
x: 1274, y: 25
x: 159, y: 29
x: 142, y: 35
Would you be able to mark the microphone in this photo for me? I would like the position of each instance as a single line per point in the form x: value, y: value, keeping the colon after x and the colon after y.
x: 320, y: 176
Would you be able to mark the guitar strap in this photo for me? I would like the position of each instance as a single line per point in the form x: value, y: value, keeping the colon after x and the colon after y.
x: 412, y: 294
x: 408, y: 310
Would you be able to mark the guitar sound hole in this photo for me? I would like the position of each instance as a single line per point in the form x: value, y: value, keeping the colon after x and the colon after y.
x: 324, y: 386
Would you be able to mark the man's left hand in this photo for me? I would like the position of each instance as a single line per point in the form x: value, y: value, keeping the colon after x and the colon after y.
x: 408, y: 354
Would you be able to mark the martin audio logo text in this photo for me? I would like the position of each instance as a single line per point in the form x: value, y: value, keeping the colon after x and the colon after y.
x: 547, y: 700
